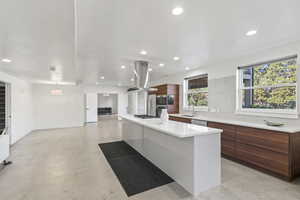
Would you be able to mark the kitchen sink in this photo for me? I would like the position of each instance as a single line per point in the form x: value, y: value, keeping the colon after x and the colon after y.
x: 188, y: 115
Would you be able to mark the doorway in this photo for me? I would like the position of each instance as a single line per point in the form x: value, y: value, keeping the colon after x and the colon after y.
x: 91, y: 107
x: 107, y: 106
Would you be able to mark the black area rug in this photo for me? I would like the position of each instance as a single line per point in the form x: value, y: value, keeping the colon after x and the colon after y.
x: 135, y: 173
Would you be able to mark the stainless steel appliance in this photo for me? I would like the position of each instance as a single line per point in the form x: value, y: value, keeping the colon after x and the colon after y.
x: 145, y: 116
x: 132, y: 103
x: 165, y: 99
x: 151, y: 105
x: 199, y: 122
x: 141, y: 77
x: 170, y: 99
x: 161, y: 100
x: 138, y: 103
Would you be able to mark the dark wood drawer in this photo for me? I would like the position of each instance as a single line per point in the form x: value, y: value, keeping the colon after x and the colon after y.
x: 222, y: 126
x: 179, y: 119
x: 270, y: 160
x: 229, y: 131
x: 275, y: 141
x: 228, y: 147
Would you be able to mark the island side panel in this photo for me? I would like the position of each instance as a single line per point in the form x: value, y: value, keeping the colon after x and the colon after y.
x: 207, y: 162
x: 132, y: 134
x: 171, y: 154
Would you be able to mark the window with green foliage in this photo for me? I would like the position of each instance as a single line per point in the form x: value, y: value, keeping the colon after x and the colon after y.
x: 196, y: 91
x: 269, y: 86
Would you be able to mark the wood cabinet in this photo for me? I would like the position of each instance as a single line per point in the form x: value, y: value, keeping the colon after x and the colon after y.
x: 228, y: 137
x: 270, y: 151
x: 269, y: 140
x: 170, y: 91
x: 161, y: 90
x: 266, y: 159
x: 180, y: 119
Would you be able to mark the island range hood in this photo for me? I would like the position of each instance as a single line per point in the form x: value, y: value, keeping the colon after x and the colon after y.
x: 141, y: 77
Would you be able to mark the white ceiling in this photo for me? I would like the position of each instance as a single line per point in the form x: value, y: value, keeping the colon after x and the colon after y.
x: 101, y: 35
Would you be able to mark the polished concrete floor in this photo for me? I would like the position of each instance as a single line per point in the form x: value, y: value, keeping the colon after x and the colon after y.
x: 66, y: 164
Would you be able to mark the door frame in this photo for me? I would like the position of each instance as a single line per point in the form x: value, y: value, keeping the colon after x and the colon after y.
x: 86, y: 108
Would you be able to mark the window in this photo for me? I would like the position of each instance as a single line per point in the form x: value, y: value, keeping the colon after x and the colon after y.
x: 269, y: 87
x: 196, y: 92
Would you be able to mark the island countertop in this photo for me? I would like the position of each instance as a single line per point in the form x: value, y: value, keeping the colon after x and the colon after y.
x: 173, y: 128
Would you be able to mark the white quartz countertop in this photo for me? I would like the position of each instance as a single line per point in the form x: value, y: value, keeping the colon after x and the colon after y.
x: 235, y: 121
x: 177, y: 129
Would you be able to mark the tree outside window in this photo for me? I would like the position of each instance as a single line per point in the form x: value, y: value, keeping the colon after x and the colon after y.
x: 270, y: 86
x: 196, y: 92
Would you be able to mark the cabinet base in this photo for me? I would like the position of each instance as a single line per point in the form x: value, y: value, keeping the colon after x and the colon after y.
x: 285, y: 178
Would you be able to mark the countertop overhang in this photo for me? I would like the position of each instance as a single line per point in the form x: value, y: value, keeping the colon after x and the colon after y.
x: 173, y: 128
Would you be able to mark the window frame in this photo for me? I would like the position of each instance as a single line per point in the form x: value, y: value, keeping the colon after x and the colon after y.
x: 280, y: 113
x: 186, y: 107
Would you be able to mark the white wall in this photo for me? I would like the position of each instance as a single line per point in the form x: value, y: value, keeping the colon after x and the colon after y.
x: 67, y: 110
x: 60, y: 111
x: 222, y: 75
x: 108, y: 101
x: 21, y: 106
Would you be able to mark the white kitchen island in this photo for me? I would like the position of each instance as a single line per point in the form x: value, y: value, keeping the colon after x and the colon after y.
x: 188, y: 153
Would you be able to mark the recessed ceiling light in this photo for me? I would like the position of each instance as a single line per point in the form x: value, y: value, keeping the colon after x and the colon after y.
x: 143, y: 52
x: 176, y: 58
x: 6, y: 60
x: 102, y: 77
x: 161, y: 64
x: 177, y: 11
x: 132, y: 79
x: 150, y: 69
x: 187, y: 68
x: 251, y: 32
x: 123, y: 66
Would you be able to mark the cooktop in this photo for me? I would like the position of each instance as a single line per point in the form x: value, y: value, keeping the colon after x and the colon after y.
x: 145, y: 116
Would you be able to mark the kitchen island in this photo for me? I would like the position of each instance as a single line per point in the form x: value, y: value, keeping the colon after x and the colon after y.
x: 190, y: 154
x: 272, y: 150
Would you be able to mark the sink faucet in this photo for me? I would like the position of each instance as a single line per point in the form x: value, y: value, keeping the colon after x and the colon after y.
x: 193, y: 111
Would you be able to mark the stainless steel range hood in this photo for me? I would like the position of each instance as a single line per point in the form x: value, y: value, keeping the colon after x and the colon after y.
x: 141, y: 74
x: 141, y: 77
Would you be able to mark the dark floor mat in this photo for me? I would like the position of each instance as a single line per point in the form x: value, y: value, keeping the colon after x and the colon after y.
x: 135, y: 173
x: 117, y: 149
